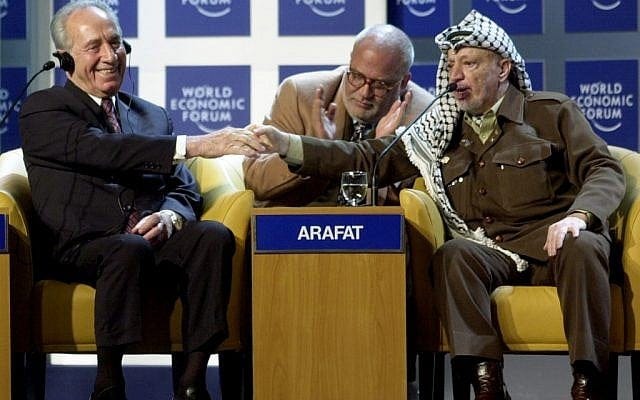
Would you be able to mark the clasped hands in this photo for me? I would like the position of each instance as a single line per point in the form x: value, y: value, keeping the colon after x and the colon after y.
x: 257, y: 139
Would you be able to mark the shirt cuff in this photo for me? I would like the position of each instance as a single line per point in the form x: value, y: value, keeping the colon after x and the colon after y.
x: 181, y: 148
x: 295, y: 154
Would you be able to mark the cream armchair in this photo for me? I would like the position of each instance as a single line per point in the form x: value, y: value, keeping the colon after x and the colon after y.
x: 529, y: 318
x: 51, y: 316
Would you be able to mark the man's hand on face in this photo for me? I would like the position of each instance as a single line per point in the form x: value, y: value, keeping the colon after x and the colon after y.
x: 323, y: 118
x: 558, y: 231
x: 227, y: 140
x: 391, y: 121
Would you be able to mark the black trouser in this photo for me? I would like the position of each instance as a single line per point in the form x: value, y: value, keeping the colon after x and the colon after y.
x: 194, y: 264
x: 465, y: 273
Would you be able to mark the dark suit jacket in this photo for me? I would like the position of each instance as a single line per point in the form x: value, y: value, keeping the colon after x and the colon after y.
x: 84, y: 180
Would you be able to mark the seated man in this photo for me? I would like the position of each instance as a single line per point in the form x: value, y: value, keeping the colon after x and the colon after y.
x: 118, y: 207
x: 525, y: 187
x: 346, y: 103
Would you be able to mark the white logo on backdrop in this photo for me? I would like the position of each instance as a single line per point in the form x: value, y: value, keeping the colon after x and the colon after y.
x: 510, y: 6
x: 5, y: 105
x: 4, y: 8
x: 603, y: 103
x: 204, y: 105
x: 210, y: 8
x: 605, y: 7
x: 334, y: 7
x: 411, y: 6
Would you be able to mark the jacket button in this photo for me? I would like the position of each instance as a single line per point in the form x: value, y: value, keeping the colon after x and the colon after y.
x: 482, y: 191
x: 481, y: 163
x: 520, y: 160
x: 488, y: 219
x: 498, y: 238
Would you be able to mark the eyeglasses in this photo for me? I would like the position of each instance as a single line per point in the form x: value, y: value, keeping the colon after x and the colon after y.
x: 380, y: 88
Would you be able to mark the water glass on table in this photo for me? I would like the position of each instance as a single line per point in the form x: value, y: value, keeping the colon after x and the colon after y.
x: 353, y: 187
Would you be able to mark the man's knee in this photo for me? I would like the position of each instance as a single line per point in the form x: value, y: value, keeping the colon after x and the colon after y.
x: 214, y: 235
x: 586, y: 251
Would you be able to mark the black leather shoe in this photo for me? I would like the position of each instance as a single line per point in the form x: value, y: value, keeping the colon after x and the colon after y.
x: 487, y: 381
x: 109, y: 393
x: 192, y: 393
x: 585, y: 387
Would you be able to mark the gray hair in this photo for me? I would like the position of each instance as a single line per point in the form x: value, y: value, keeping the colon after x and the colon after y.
x: 390, y: 38
x: 58, y: 25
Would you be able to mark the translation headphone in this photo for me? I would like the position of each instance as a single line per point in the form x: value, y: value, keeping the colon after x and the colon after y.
x: 68, y: 64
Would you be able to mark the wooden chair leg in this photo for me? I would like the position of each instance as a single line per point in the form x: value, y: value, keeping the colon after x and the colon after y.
x: 35, y: 364
x: 635, y: 374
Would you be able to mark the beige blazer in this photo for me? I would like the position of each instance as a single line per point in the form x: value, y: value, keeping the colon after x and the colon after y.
x: 269, y: 177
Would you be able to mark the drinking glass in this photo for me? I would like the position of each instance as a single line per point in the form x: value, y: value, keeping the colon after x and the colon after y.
x: 353, y: 187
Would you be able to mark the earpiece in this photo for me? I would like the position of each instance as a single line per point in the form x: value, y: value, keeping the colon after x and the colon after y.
x: 66, y: 60
x: 127, y: 47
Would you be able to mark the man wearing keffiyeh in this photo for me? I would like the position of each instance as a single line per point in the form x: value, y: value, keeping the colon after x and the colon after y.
x: 525, y: 188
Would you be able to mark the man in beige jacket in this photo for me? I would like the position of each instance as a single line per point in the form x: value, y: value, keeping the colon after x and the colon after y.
x: 335, y: 105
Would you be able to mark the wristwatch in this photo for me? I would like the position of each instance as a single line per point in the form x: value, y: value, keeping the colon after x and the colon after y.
x: 176, y: 220
x: 587, y: 214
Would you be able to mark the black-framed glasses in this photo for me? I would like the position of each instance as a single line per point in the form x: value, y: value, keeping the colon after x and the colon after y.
x: 380, y: 88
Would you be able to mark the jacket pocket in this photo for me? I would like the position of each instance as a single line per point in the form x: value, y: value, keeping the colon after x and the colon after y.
x: 522, y: 175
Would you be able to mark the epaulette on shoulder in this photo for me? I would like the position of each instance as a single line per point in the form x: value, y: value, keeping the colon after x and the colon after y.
x: 542, y: 96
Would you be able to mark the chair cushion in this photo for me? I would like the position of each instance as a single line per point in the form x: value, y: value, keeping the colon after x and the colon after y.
x: 529, y: 318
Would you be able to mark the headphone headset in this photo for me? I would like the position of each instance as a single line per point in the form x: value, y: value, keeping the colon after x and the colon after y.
x: 68, y: 64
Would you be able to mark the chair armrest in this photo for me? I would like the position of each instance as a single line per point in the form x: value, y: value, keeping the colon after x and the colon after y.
x: 226, y: 201
x: 422, y: 214
x: 15, y: 201
x: 425, y: 231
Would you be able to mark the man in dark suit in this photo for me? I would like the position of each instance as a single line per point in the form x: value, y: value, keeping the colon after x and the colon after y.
x: 118, y: 206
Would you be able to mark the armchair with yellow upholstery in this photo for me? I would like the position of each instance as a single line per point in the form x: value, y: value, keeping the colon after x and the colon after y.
x: 49, y: 316
x: 529, y: 318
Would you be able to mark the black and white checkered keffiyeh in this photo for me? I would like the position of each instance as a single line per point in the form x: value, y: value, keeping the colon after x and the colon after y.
x: 429, y: 137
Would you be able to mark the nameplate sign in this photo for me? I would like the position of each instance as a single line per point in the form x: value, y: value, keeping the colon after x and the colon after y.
x: 311, y: 233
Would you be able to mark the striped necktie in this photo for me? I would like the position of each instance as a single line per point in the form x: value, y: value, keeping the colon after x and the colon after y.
x: 110, y: 112
x: 360, y: 131
x: 114, y: 127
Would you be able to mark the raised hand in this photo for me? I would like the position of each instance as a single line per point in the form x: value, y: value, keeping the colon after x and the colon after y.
x: 391, y: 121
x: 323, y: 119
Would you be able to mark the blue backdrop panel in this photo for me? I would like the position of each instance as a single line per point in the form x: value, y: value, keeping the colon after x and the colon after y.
x: 312, y: 17
x: 607, y: 92
x: 514, y: 16
x: 600, y: 15
x: 202, y: 99
x: 208, y: 18
x: 13, y: 17
x: 285, y: 71
x: 12, y: 81
x: 419, y: 18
